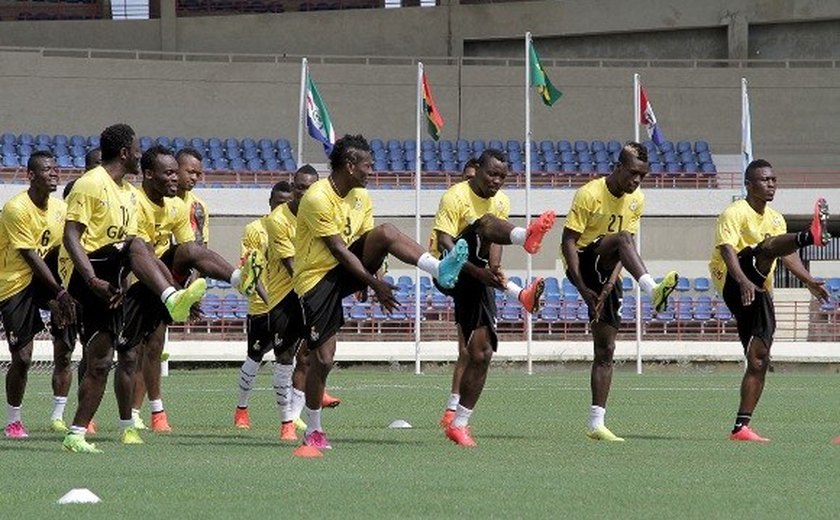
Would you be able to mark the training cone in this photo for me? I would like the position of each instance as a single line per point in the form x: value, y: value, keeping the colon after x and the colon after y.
x: 79, y: 496
x: 399, y: 424
x: 307, y: 452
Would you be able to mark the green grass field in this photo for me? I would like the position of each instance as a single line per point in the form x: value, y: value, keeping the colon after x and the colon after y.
x: 532, y: 461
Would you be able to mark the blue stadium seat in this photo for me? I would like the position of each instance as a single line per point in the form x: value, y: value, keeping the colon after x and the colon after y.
x: 380, y: 165
x: 380, y: 154
x: 667, y: 146
x: 447, y: 155
x: 496, y: 144
x: 64, y: 161
x: 673, y: 168
x: 690, y: 167
x: 704, y: 157
x: 43, y: 139
x: 231, y: 142
x: 220, y: 164
x: 603, y: 168
x: 8, y: 138
x: 701, y: 146
x: 427, y: 144
x: 549, y: 155
x: 586, y: 167
x: 8, y: 149
x: 394, y: 144
x: 701, y: 284
x: 93, y: 141
x: 233, y: 153
x: 462, y: 144
x: 445, y: 144
x: 626, y: 284
x: 597, y: 146
x: 214, y: 142
x: 198, y: 143
x: 581, y: 146
x: 248, y: 144
x: 164, y: 141
x: 10, y: 161
x: 409, y: 145
x: 569, y: 167
x: 25, y: 149
x: 613, y: 146
x: 449, y: 166
x: 552, y: 286
x: 513, y: 145
x: 515, y: 167
x: 683, y: 146
x: 656, y: 168
x: 478, y: 146
x: 289, y: 165
x: 564, y: 146
x: 683, y: 284
x: 26, y: 139
x: 78, y: 140
x: 283, y: 144
x: 79, y: 162
x: 284, y: 153
x: 551, y: 167
x: 708, y: 168
x: 215, y: 153
x: 272, y: 164
x: 376, y: 144
x: 253, y: 153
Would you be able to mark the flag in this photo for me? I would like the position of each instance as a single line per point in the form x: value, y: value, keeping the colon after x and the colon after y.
x: 746, y: 130
x: 539, y: 79
x: 318, y: 118
x: 433, y: 117
x: 648, y: 119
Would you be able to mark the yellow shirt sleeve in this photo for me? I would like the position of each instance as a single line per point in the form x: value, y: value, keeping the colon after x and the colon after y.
x: 319, y: 216
x: 583, y: 206
x: 18, y: 227
x: 182, y: 229
x: 449, y: 214
x: 728, y: 230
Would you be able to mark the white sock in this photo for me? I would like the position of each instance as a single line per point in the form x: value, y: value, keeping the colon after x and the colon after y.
x: 518, y: 235
x: 156, y: 405
x: 596, y: 417
x: 428, y: 264
x: 298, y: 400
x: 462, y: 417
x: 169, y: 291
x: 247, y: 374
x: 78, y: 430
x: 135, y: 413
x: 313, y: 420
x: 452, y: 403
x: 126, y: 423
x: 282, y: 381
x: 512, y: 290
x: 59, y: 402
x: 12, y: 414
x: 647, y: 283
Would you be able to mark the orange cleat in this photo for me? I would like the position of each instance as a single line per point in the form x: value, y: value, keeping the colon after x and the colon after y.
x: 530, y: 296
x: 160, y: 423
x: 537, y: 230
x: 91, y: 428
x: 241, y: 419
x: 329, y: 401
x: 460, y: 436
x: 819, y: 224
x: 288, y: 432
x: 446, y: 419
x: 746, y: 434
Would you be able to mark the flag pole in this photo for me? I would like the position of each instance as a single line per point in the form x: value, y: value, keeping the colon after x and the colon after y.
x: 637, y: 110
x: 304, y: 72
x: 417, y: 216
x: 528, y: 323
x: 746, y: 136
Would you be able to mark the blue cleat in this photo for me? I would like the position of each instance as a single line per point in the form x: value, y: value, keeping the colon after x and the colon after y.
x: 451, y: 264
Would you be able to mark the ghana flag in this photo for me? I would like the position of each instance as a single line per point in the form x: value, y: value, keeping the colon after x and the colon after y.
x: 433, y: 117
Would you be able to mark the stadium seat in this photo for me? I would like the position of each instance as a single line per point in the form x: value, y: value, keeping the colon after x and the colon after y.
x: 683, y: 146
x: 478, y: 146
x: 43, y: 139
x: 586, y: 167
x: 26, y: 139
x: 64, y: 161
x: 10, y: 161
x: 597, y: 146
x: 8, y: 138
x: 581, y: 146
x: 198, y: 143
x: 708, y: 169
x: 701, y: 284
x: 214, y: 142
x: 564, y: 146
x: 603, y: 168
x: 626, y: 284
x: 513, y: 145
x: 667, y: 146
x: 410, y: 145
x: 164, y: 141
x: 701, y: 146
x: 613, y: 146
x: 231, y: 142
x: 394, y: 144
x: 289, y: 165
x: 496, y: 144
x: 78, y: 162
x: 283, y: 144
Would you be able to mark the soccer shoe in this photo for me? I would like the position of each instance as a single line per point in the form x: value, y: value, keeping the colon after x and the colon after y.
x: 16, y: 430
x: 241, y: 419
x: 746, y: 434
x: 663, y: 290
x: 91, y: 428
x: 138, y: 423
x: 130, y: 436
x: 58, y: 426
x: 288, y: 432
x: 299, y: 424
x: 446, y: 418
x: 819, y: 224
x: 317, y: 439
x: 179, y: 303
x: 250, y: 269
x: 160, y: 423
x: 461, y: 436
x: 537, y: 230
x: 451, y: 264
x: 77, y: 444
x: 602, y: 433
x: 530, y: 296
x: 329, y: 401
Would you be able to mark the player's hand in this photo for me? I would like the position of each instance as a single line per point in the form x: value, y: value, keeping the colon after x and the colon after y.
x: 384, y: 293
x: 492, y: 278
x: 590, y: 297
x: 748, y: 290
x: 817, y: 288
x: 66, y: 307
x: 106, y: 291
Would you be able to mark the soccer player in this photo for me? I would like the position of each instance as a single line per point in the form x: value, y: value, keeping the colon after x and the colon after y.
x: 99, y: 240
x: 31, y: 228
x: 749, y: 237
x: 337, y: 252
x: 476, y: 211
x: 163, y: 222
x: 470, y: 167
x: 189, y: 172
x: 597, y: 235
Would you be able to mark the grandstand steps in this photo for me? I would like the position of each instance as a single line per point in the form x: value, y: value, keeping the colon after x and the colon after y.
x: 792, y: 321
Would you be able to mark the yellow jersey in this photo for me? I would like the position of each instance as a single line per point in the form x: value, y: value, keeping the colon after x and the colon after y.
x: 323, y: 213
x: 164, y: 225
x: 23, y: 225
x: 254, y: 238
x: 280, y: 227
x: 199, y: 218
x: 460, y: 206
x: 596, y: 212
x: 740, y: 226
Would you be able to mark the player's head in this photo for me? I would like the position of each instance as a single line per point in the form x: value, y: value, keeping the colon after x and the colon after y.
x: 470, y: 167
x: 160, y: 171
x: 351, y: 156
x: 305, y: 176
x: 41, y: 171
x: 631, y: 168
x: 119, y: 144
x: 93, y: 158
x: 760, y: 180
x: 190, y: 169
x: 281, y: 193
x: 491, y: 173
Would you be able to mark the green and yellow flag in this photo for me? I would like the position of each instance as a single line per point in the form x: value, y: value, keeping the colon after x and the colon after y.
x: 539, y: 79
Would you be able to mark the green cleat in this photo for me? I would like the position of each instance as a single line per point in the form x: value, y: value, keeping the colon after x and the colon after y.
x: 250, y: 269
x: 179, y: 303
x: 299, y: 424
x: 663, y: 290
x: 58, y: 426
x: 130, y: 436
x: 138, y: 423
x: 602, y: 433
x: 77, y: 444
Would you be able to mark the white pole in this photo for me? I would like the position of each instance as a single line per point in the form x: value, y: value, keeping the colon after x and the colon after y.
x: 417, y: 217
x: 636, y: 111
x: 304, y: 73
x: 528, y: 322
x: 746, y: 136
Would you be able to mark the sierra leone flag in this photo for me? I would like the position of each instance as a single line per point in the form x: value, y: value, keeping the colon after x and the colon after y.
x: 318, y: 120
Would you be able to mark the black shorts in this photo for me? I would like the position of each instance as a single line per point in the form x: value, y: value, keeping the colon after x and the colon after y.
x: 322, y: 311
x: 595, y: 276
x: 475, y: 303
x: 142, y: 314
x: 109, y: 263
x: 168, y: 259
x: 759, y: 318
x: 279, y: 329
